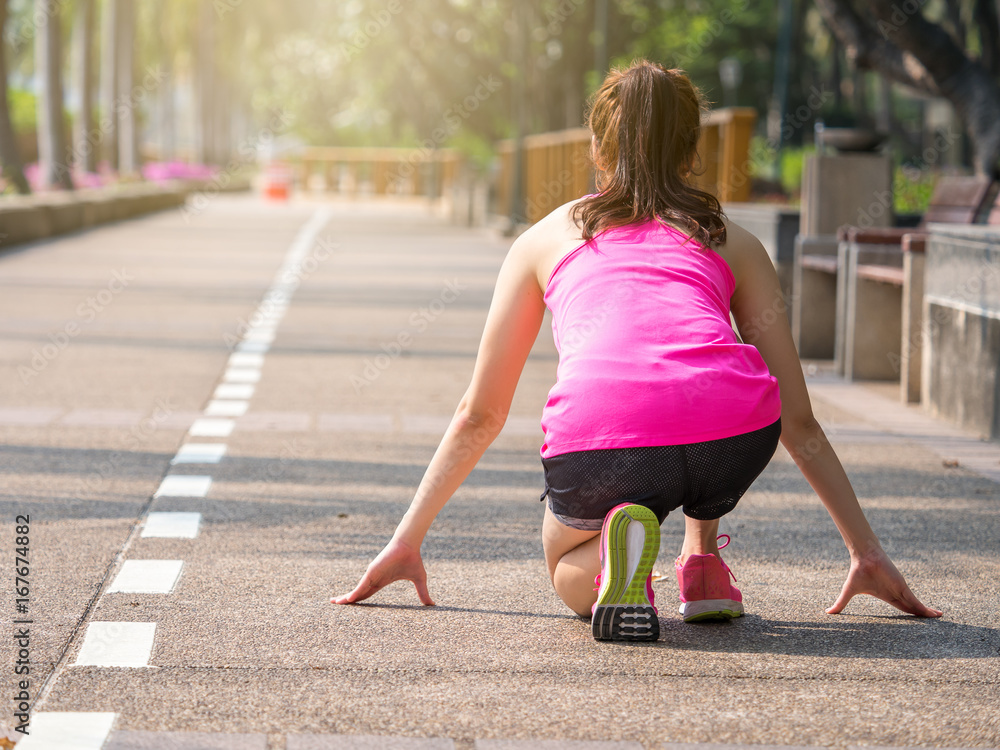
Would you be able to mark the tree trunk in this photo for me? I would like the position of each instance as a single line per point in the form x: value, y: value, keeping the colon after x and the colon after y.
x: 128, y: 156
x: 84, y: 154
x: 205, y: 81
x: 913, y: 51
x: 109, y: 82
x: 989, y: 35
x: 10, y: 158
x: 53, y: 166
x: 168, y: 126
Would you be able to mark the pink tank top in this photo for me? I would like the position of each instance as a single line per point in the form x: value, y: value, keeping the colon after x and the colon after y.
x: 647, y: 354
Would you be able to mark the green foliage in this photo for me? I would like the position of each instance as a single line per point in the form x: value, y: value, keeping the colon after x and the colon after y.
x: 793, y: 161
x: 912, y: 189
x: 23, y: 110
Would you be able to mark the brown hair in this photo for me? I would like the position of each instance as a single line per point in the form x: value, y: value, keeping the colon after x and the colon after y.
x: 646, y: 121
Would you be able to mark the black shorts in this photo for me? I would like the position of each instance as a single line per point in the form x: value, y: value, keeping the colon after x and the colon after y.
x: 707, y: 479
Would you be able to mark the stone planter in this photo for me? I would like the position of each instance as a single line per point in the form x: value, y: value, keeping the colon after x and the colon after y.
x: 960, y: 364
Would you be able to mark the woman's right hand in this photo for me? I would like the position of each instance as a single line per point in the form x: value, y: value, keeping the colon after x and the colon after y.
x: 397, y: 562
x: 874, y: 574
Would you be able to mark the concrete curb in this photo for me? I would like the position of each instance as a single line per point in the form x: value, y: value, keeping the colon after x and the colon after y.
x: 36, y: 217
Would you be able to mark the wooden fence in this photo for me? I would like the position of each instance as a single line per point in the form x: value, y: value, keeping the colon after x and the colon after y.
x: 557, y: 166
x: 381, y: 171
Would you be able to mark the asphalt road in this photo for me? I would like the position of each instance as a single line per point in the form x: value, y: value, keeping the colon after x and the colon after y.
x: 355, y: 327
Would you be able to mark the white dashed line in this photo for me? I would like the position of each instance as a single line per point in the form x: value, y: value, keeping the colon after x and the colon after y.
x: 172, y: 525
x: 68, y: 730
x: 253, y: 346
x: 263, y: 335
x: 246, y: 359
x: 147, y: 577
x: 234, y: 390
x: 184, y: 486
x: 241, y: 375
x: 117, y: 644
x: 212, y: 427
x: 226, y: 408
x: 200, y: 453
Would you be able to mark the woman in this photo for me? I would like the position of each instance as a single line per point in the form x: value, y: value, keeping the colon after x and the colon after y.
x: 657, y: 404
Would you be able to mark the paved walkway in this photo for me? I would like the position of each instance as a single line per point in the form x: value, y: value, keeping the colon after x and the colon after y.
x: 214, y: 421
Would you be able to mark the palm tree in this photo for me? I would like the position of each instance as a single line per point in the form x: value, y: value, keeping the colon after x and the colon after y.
x: 128, y: 136
x: 13, y: 169
x: 48, y: 67
x: 84, y: 72
x: 109, y: 81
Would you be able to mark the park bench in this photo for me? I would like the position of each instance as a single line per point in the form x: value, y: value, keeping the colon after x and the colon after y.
x: 819, y: 300
x: 880, y: 292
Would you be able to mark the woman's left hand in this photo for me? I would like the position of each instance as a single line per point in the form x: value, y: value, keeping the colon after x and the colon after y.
x: 874, y: 574
x: 397, y: 562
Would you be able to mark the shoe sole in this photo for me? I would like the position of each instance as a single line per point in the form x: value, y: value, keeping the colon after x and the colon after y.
x: 623, y: 611
x: 711, y: 609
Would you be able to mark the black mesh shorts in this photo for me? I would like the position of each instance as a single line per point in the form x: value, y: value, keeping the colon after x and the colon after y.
x: 706, y: 479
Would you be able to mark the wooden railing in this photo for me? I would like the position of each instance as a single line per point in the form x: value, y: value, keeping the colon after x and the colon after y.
x: 557, y: 166
x: 380, y: 171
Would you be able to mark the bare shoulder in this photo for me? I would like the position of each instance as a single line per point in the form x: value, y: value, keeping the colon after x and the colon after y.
x: 742, y: 250
x: 557, y: 225
x: 546, y: 241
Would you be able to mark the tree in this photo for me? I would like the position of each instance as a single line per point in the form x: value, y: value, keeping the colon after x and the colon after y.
x: 109, y: 81
x: 128, y: 135
x: 206, y: 82
x: 900, y: 42
x: 84, y: 72
x: 48, y: 68
x: 13, y: 170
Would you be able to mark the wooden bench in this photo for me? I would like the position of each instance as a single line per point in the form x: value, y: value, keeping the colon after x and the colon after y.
x: 879, y: 326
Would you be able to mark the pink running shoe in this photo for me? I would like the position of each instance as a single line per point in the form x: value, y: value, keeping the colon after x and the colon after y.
x: 630, y: 541
x: 706, y: 593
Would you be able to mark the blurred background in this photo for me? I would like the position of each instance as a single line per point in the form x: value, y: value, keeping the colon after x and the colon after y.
x: 103, y: 91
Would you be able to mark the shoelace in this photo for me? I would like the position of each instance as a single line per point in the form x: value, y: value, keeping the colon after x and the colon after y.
x: 597, y: 578
x: 722, y: 547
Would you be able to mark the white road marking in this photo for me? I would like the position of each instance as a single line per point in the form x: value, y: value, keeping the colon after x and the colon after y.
x: 246, y: 359
x: 200, y: 453
x: 234, y: 390
x: 179, y: 485
x: 226, y: 408
x: 68, y: 730
x: 241, y: 375
x: 172, y: 525
x: 147, y: 577
x: 117, y: 644
x: 263, y: 335
x: 260, y: 347
x: 212, y: 427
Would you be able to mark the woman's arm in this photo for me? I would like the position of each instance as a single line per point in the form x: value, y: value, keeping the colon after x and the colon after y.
x: 759, y: 310
x: 512, y: 325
